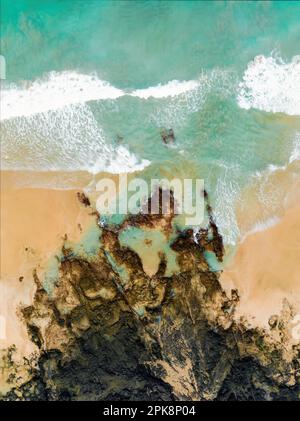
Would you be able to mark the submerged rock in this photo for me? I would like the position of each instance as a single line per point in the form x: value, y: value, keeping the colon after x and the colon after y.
x: 102, y: 335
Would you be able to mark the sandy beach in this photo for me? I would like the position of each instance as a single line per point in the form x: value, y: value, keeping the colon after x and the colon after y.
x: 34, y: 222
x: 266, y: 267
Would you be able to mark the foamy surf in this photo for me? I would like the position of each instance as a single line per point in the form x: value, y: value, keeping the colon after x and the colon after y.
x: 227, y: 192
x: 50, y: 122
x: 170, y: 89
x: 271, y: 85
x: 67, y: 139
x: 52, y: 125
x: 56, y: 91
x: 122, y: 161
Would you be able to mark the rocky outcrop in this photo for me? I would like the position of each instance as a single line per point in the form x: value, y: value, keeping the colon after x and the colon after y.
x: 108, y: 331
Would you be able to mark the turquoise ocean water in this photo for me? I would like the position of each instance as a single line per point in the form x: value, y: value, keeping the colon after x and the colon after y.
x: 90, y: 84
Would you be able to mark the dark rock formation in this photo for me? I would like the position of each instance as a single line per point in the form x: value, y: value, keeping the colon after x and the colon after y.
x: 102, y: 336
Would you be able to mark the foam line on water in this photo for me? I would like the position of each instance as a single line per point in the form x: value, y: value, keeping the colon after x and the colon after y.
x: 58, y: 90
x: 227, y: 192
x: 295, y: 154
x: 170, y: 89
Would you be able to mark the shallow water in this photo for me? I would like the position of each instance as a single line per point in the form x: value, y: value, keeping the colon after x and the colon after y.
x: 90, y: 85
x: 149, y: 245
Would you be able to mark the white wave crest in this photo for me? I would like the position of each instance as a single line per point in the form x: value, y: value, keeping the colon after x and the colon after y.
x: 54, y: 92
x: 170, y: 89
x: 271, y: 85
x: 59, y: 90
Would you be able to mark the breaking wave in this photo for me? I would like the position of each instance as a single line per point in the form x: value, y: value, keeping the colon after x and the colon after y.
x: 271, y: 85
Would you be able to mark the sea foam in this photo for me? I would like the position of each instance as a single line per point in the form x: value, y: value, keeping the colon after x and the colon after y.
x: 58, y: 90
x: 170, y: 89
x: 51, y: 122
x: 271, y: 85
x: 54, y: 92
x: 67, y: 139
x: 52, y: 125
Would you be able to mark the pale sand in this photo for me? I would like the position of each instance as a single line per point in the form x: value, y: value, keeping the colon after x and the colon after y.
x: 267, y: 197
x: 266, y: 269
x: 266, y: 266
x: 33, y: 223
